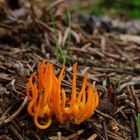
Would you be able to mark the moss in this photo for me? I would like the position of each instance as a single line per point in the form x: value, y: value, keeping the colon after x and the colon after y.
x: 128, y: 8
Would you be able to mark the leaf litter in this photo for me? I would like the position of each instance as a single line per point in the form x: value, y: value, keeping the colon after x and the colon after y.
x: 106, y: 48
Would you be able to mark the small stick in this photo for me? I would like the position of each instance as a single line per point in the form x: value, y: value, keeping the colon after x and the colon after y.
x: 92, y: 137
x: 72, y: 136
x: 105, y: 130
x: 56, y: 3
x: 136, y: 100
x: 17, y: 112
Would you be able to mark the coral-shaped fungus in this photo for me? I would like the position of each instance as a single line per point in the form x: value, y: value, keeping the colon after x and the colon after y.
x: 48, y: 99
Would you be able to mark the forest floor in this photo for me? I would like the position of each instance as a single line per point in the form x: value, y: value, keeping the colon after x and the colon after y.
x: 106, y: 48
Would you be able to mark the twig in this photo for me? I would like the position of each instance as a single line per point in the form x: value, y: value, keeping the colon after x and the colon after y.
x: 136, y: 100
x: 105, y: 130
x: 136, y: 82
x: 56, y: 3
x: 79, y: 132
x: 92, y: 137
x: 17, y: 112
x: 14, y: 130
x: 4, y: 114
x: 104, y: 115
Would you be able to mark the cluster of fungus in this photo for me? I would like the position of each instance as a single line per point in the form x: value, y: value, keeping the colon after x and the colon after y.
x: 49, y: 100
